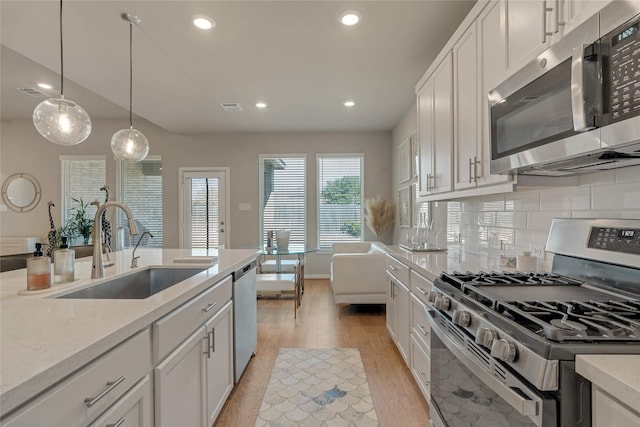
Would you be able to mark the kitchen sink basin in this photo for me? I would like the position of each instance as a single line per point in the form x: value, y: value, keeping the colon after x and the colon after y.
x: 139, y: 285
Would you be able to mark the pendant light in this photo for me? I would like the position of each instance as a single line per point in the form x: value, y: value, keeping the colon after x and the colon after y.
x: 130, y: 144
x: 61, y: 120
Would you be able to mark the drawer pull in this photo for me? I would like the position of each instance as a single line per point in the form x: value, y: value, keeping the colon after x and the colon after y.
x: 421, y: 291
x: 117, y: 423
x: 208, y: 347
x: 394, y: 268
x: 424, y: 378
x: 209, y: 307
x: 212, y: 340
x: 90, y: 401
x: 422, y: 329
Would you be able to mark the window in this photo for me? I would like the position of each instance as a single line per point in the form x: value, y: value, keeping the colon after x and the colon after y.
x: 339, y: 199
x: 82, y: 178
x: 282, y: 196
x: 140, y: 188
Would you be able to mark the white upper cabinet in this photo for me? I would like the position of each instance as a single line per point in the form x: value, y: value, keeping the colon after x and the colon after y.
x: 527, y: 33
x: 467, y: 140
x: 435, y: 129
x: 574, y: 12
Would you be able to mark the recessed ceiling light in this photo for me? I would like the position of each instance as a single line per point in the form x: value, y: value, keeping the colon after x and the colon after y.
x: 261, y: 105
x: 203, y: 22
x: 350, y: 17
x: 349, y: 103
x: 45, y: 86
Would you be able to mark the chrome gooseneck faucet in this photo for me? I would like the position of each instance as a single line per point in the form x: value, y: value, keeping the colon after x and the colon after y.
x: 97, y: 270
x: 134, y: 258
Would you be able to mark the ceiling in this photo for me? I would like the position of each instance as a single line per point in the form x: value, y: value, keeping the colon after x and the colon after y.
x: 293, y: 55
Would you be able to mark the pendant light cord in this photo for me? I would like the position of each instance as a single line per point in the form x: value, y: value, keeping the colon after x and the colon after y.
x: 61, y: 56
x: 130, y: 74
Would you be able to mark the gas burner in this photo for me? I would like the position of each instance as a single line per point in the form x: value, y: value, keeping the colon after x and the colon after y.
x: 506, y: 278
x: 577, y: 320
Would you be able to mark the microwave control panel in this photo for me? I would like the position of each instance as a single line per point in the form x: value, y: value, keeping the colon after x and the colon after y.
x: 624, y: 54
x: 626, y: 240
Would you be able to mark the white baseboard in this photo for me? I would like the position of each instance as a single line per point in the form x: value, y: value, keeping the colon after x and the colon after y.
x: 317, y: 276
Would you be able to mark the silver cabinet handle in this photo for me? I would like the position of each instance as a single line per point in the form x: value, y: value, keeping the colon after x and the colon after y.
x: 422, y: 291
x: 209, y: 307
x: 558, y: 21
x: 424, y: 378
x: 545, y: 9
x: 393, y: 267
x: 470, y: 165
x: 422, y: 329
x: 117, y: 423
x: 212, y: 340
x: 208, y: 347
x: 90, y: 401
x: 476, y: 162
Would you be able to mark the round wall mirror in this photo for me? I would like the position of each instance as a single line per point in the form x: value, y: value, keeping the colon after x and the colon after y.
x: 21, y: 192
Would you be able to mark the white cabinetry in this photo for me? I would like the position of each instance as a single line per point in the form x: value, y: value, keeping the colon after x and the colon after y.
x: 79, y: 399
x: 133, y: 410
x: 398, y: 306
x: 420, y: 333
x: 607, y: 411
x: 192, y: 383
x: 528, y: 32
x: 435, y: 129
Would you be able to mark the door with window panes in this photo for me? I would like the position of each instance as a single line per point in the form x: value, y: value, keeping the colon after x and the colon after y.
x: 203, y: 209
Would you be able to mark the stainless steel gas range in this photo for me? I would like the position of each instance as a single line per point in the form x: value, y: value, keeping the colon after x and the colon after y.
x: 503, y: 345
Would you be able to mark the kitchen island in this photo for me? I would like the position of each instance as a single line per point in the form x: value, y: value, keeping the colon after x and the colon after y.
x: 44, y: 339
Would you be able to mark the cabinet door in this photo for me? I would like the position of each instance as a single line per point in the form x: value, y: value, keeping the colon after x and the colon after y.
x: 404, y: 326
x: 392, y: 309
x: 574, y: 12
x: 526, y: 28
x: 421, y: 368
x: 180, y: 385
x: 493, y: 68
x: 425, y: 136
x: 467, y: 108
x: 134, y: 409
x: 219, y: 360
x: 442, y: 125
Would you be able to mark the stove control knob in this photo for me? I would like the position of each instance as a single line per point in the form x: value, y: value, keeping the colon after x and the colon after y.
x: 443, y: 302
x: 504, y: 350
x: 461, y: 318
x: 485, y: 337
x: 431, y: 296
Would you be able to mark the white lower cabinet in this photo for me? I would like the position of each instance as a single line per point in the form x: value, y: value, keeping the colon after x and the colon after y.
x: 219, y: 361
x: 398, y: 306
x: 608, y: 411
x: 135, y: 409
x: 421, y: 367
x: 193, y: 382
x: 83, y: 396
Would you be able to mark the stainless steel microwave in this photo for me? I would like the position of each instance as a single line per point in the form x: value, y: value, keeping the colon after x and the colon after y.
x: 576, y: 107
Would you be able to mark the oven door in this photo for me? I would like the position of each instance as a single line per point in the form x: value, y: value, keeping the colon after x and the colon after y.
x: 468, y: 387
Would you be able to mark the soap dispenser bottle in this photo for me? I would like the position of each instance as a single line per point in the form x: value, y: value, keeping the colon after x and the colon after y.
x: 64, y: 263
x: 38, y: 270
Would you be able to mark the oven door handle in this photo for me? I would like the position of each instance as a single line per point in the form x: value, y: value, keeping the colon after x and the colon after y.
x: 527, y: 406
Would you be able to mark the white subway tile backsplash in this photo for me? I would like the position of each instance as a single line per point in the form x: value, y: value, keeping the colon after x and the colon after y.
x: 527, y: 201
x: 616, y: 196
x: 492, y: 203
x: 631, y: 174
x: 566, y: 198
x: 511, y: 219
x: 541, y: 221
x: 603, y: 177
x: 486, y: 218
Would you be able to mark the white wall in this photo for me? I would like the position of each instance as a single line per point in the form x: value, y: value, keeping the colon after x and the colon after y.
x: 24, y: 150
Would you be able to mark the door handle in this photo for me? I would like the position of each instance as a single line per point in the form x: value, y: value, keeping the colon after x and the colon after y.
x: 90, y: 401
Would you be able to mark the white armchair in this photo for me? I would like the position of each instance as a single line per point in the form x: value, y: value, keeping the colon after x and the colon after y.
x: 358, y: 273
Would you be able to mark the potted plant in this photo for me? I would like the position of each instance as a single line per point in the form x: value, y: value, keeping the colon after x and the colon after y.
x: 81, y: 224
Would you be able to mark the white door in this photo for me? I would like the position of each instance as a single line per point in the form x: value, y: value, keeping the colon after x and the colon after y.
x: 203, y: 212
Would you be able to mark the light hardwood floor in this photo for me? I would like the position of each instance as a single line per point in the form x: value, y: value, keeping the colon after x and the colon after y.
x: 396, y: 396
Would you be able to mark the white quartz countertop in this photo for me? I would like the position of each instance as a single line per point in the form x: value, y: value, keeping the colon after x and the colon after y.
x: 455, y: 258
x: 44, y: 339
x: 617, y: 374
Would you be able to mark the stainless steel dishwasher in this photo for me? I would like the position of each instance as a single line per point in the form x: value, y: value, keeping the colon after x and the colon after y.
x: 245, y: 317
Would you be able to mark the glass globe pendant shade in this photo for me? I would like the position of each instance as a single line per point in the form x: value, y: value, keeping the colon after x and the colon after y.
x: 129, y: 144
x: 62, y: 121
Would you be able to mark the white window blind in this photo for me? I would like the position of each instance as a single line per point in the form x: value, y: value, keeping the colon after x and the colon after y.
x: 204, y: 213
x: 282, y: 196
x: 81, y: 178
x: 140, y: 188
x: 339, y: 199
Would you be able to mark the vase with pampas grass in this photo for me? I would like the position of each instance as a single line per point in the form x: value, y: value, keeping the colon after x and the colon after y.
x: 379, y: 214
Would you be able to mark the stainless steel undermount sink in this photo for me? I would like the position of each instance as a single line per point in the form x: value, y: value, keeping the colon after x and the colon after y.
x: 139, y: 285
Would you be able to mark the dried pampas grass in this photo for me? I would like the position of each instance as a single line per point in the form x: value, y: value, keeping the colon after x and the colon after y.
x: 378, y: 214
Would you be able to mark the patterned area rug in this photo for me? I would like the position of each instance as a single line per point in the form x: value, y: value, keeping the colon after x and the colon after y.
x: 317, y: 387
